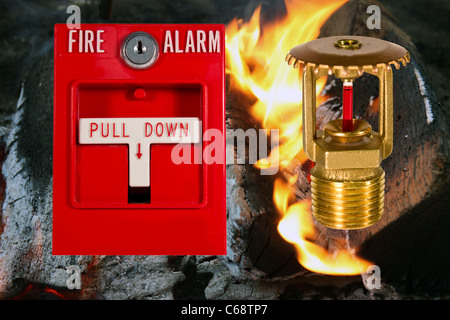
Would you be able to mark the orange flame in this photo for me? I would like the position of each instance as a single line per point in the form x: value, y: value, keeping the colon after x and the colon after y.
x: 255, y: 60
x: 257, y: 65
x: 297, y: 227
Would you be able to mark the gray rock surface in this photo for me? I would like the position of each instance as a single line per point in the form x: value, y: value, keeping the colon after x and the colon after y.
x: 25, y: 244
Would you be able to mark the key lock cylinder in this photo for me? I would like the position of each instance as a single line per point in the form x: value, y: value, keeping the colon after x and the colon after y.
x: 347, y: 182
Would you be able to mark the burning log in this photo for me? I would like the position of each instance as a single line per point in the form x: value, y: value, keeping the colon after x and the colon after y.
x: 417, y: 171
x: 253, y: 238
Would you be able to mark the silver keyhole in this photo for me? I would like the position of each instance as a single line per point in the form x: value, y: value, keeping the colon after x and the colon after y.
x: 140, y: 50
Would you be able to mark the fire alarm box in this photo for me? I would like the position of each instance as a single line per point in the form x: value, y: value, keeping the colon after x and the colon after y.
x: 139, y: 140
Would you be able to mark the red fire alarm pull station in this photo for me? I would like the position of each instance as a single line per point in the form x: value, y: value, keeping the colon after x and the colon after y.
x: 132, y: 104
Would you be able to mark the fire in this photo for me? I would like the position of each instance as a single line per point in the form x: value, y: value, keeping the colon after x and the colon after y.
x: 297, y: 227
x: 255, y: 60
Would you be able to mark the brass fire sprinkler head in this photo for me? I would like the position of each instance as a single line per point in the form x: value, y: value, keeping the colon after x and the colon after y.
x: 347, y: 182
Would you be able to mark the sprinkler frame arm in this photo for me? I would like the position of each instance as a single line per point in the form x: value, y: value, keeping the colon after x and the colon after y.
x: 385, y: 120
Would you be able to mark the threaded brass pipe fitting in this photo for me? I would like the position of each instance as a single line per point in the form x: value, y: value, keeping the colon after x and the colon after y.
x: 347, y: 204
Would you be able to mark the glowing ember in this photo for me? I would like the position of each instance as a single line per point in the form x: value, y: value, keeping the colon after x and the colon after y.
x: 255, y: 60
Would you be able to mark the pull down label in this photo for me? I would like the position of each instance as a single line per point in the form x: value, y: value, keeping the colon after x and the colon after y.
x: 139, y: 134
